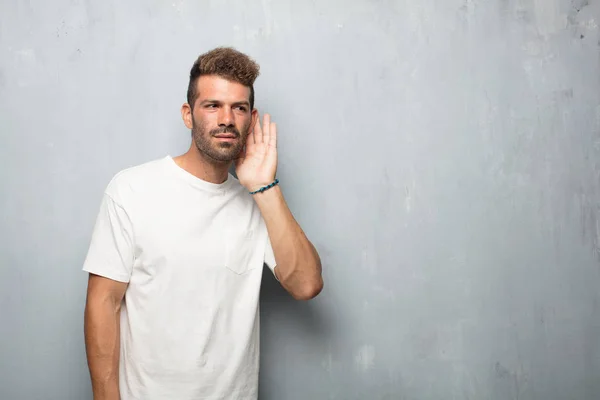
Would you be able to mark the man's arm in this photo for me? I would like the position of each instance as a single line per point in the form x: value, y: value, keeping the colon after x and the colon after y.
x: 298, y: 263
x: 101, y: 330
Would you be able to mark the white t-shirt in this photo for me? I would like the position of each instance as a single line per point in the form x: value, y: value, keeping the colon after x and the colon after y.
x: 193, y: 253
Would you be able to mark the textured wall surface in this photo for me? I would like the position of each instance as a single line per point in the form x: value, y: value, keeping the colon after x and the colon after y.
x: 442, y: 155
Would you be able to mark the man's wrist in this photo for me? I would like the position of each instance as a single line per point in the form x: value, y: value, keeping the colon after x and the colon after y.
x: 270, y: 203
x: 262, y: 187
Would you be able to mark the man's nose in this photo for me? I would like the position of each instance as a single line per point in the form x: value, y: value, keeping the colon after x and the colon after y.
x: 226, y: 116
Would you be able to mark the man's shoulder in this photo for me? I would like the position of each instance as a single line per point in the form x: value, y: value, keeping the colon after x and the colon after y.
x: 134, y: 178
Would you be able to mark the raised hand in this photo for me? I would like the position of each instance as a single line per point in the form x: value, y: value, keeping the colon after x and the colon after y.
x: 257, y: 165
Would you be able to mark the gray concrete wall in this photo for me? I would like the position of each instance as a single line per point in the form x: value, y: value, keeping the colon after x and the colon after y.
x: 443, y: 156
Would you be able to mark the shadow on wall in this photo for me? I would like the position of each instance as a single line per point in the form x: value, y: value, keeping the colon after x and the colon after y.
x: 276, y: 303
x: 286, y: 324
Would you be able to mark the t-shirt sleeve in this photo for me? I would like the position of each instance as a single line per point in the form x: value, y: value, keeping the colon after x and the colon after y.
x: 111, y: 248
x: 270, y: 257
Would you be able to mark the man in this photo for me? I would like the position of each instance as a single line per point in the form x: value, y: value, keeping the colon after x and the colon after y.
x: 176, y: 256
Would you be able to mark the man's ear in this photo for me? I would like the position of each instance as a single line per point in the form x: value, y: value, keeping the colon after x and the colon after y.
x: 186, y: 115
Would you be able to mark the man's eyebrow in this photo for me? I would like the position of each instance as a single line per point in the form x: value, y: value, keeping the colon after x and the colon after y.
x: 237, y: 103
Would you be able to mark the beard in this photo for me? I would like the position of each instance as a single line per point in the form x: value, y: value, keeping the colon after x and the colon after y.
x: 214, y: 150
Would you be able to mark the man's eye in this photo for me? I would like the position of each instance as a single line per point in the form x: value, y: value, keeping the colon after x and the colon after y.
x: 241, y: 108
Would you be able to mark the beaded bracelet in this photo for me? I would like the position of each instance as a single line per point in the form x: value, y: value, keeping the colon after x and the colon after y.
x: 262, y: 189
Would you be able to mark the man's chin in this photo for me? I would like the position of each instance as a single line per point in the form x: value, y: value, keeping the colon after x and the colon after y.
x: 223, y: 157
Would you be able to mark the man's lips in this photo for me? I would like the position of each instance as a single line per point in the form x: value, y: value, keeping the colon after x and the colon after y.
x: 226, y: 136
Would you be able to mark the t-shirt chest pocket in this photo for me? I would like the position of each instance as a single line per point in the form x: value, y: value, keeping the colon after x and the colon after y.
x: 241, y: 253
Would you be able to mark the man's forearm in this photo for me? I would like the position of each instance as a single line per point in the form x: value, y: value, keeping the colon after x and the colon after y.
x: 298, y: 263
x: 102, y: 347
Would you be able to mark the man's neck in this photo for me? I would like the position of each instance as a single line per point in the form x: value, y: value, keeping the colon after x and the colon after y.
x: 198, y: 165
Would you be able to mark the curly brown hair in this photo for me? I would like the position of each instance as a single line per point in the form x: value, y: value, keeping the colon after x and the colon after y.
x: 228, y: 63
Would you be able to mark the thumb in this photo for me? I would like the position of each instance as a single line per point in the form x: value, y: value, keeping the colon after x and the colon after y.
x: 241, y: 156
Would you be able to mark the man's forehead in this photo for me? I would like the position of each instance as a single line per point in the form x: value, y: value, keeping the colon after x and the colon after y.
x: 212, y: 85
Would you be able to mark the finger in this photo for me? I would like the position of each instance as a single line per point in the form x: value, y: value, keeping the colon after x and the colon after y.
x: 250, y: 138
x: 256, y: 130
x: 266, y: 128
x: 273, y: 135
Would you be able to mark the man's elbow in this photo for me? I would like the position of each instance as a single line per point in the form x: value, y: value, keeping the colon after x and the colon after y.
x: 309, y: 290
